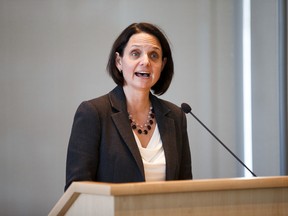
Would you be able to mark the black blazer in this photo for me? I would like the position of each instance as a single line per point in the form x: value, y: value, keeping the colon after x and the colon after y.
x: 102, y: 146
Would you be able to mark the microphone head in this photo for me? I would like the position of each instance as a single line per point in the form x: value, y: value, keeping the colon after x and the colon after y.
x: 186, y: 108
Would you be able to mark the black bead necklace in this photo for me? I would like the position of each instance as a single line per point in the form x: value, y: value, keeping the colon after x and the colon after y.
x: 143, y: 129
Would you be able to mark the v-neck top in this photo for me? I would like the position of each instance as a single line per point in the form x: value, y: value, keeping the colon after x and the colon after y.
x: 153, y: 157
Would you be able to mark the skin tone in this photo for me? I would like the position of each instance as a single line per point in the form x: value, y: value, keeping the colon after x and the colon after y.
x: 141, y: 65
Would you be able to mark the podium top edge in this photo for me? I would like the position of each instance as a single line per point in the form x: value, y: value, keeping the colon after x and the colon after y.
x: 120, y: 189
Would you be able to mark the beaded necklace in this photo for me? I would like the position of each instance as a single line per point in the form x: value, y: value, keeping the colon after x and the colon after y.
x: 143, y: 129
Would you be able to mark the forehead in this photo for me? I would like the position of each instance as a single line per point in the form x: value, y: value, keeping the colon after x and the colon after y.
x: 144, y: 40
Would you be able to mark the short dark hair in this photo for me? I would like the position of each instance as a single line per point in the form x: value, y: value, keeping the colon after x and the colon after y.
x: 120, y: 43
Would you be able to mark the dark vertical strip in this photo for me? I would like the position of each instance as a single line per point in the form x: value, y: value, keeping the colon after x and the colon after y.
x: 282, y: 6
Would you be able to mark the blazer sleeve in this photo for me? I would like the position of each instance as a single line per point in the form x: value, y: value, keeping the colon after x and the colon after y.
x: 83, y: 148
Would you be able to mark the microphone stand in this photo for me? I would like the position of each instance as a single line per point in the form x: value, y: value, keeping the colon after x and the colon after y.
x: 220, y: 141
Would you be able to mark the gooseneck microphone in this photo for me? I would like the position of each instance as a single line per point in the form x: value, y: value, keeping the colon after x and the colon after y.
x: 187, y: 109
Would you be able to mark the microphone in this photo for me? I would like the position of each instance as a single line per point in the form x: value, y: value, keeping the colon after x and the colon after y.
x: 187, y: 109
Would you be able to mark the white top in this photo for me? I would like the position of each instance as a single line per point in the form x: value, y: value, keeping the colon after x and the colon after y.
x: 153, y: 157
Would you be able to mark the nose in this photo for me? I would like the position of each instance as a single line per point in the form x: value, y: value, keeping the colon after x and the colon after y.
x: 145, y: 61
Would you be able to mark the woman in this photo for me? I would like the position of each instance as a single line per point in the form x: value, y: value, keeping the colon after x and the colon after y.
x: 130, y: 135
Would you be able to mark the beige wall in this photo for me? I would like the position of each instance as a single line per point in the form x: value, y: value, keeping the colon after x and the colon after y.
x: 53, y: 55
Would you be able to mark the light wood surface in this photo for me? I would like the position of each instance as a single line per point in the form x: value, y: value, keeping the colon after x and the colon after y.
x: 236, y: 196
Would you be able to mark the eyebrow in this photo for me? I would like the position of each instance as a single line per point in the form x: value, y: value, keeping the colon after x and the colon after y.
x: 154, y: 47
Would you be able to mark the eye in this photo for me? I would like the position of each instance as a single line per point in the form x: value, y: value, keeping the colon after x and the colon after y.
x: 154, y: 55
x: 135, y: 53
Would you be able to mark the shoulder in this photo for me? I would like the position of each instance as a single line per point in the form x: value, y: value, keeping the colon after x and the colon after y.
x: 170, y: 105
x: 95, y: 103
x: 92, y: 108
x: 166, y: 106
x: 105, y: 104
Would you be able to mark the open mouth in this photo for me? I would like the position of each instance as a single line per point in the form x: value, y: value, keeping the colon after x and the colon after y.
x: 142, y: 74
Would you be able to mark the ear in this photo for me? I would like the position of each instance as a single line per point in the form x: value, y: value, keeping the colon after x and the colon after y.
x: 163, y: 63
x: 118, y: 61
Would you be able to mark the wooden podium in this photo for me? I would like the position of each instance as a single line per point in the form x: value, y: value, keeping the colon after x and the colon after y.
x: 236, y: 196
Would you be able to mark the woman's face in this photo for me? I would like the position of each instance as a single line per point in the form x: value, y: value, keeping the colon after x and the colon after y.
x: 142, y: 61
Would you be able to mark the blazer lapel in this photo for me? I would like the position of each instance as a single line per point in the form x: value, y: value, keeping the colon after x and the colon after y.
x: 167, y: 131
x: 121, y: 120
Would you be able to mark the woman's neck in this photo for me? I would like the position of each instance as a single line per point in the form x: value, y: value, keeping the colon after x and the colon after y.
x: 137, y: 101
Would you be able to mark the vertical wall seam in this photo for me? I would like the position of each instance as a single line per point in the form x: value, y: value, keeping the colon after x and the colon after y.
x: 282, y: 7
